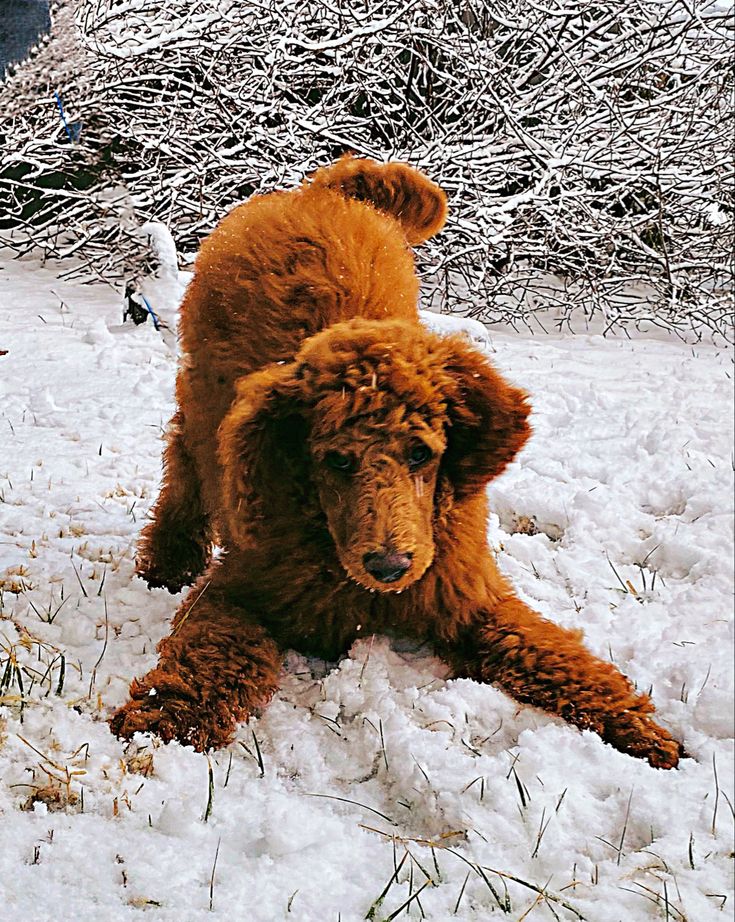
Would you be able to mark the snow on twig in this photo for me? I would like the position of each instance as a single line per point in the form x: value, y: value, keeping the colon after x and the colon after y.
x: 586, y: 148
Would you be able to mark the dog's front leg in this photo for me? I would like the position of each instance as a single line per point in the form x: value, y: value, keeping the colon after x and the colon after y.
x: 545, y: 665
x: 214, y: 669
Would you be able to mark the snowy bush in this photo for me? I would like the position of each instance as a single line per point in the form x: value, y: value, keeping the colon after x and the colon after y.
x: 585, y: 146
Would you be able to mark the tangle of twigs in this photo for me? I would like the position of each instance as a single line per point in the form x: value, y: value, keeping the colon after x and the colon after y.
x: 586, y: 145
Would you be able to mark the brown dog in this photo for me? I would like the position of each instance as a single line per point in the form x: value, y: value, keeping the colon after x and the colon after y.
x: 339, y: 453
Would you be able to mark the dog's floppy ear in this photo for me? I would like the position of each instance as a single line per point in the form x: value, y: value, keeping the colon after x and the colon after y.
x: 262, y: 447
x: 488, y: 422
x: 397, y: 189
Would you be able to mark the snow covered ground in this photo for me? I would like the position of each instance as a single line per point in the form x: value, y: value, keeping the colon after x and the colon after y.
x: 374, y: 781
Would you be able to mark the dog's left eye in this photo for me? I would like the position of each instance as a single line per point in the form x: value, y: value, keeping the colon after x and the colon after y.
x: 419, y: 455
x: 339, y: 462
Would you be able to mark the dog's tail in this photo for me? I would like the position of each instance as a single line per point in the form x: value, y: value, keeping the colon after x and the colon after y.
x: 417, y: 203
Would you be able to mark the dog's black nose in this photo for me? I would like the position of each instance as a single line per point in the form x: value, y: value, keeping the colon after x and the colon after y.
x: 387, y: 567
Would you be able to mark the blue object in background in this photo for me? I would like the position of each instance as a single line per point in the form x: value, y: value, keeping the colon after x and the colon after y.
x: 74, y: 129
x: 21, y: 24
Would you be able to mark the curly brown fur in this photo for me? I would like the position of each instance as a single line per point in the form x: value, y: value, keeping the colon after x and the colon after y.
x: 345, y: 478
x: 175, y: 547
x: 215, y: 668
x: 419, y: 205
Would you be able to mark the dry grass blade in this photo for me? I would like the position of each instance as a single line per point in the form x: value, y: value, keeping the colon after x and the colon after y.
x: 377, y: 903
x: 522, y: 790
x: 625, y: 827
x: 258, y: 755
x: 541, y: 830
x: 382, y: 745
x: 177, y: 627
x: 653, y: 897
x: 62, y: 674
x: 211, y: 877
x: 79, y: 580
x: 355, y: 803
x: 537, y: 889
x: 461, y: 893
x: 107, y: 634
x: 229, y: 769
x: 210, y: 792
x: 406, y: 904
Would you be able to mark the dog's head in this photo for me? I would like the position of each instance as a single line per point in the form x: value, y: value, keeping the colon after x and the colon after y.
x: 375, y: 421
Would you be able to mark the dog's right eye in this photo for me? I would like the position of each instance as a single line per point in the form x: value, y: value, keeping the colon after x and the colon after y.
x: 419, y: 455
x: 339, y: 462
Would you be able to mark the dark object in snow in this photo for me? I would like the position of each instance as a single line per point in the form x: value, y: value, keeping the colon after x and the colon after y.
x: 135, y: 306
x: 340, y: 453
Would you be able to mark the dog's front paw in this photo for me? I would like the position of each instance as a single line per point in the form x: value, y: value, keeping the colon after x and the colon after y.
x: 640, y: 736
x: 168, y: 704
x: 170, y: 557
x: 162, y: 574
x: 169, y: 718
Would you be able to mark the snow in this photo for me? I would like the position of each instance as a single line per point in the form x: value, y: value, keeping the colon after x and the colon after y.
x: 165, y: 288
x: 617, y: 518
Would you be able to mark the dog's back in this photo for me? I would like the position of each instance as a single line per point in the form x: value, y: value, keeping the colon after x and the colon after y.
x: 282, y: 266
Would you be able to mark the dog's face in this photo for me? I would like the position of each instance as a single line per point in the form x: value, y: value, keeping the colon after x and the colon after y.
x: 380, y: 418
x: 376, y: 477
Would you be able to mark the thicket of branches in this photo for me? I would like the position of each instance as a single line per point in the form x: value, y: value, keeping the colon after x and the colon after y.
x: 586, y: 145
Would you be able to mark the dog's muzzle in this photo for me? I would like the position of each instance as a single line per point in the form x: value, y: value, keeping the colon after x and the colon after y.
x: 387, y: 567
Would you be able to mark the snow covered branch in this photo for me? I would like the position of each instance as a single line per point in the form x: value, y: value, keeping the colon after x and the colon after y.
x: 586, y: 146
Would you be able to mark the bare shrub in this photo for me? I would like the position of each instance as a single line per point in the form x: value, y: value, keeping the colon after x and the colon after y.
x: 586, y: 146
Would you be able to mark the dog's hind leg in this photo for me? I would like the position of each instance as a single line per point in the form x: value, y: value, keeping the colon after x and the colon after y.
x: 175, y: 546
